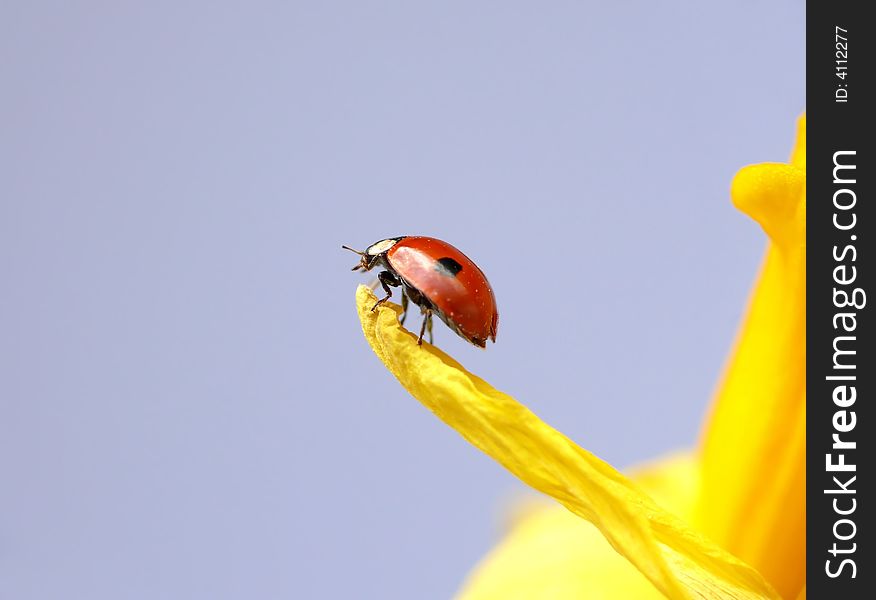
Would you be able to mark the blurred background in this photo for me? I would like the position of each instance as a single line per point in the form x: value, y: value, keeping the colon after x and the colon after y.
x: 188, y: 408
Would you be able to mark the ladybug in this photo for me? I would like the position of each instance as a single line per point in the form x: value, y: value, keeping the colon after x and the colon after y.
x: 440, y: 280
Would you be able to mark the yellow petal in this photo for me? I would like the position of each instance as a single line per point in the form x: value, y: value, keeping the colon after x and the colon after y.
x: 798, y: 154
x: 551, y: 553
x: 554, y: 554
x: 678, y: 561
x: 773, y: 195
x: 754, y: 452
x: 673, y: 481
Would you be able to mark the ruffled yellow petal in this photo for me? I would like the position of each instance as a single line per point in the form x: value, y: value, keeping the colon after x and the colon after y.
x: 754, y: 452
x: 551, y: 553
x: 678, y: 561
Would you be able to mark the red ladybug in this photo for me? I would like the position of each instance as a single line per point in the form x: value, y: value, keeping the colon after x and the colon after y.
x: 439, y: 279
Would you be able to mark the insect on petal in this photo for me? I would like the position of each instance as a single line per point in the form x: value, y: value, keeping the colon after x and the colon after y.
x: 676, y: 559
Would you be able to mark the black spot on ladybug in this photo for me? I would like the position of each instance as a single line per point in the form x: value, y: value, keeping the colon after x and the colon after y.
x: 447, y: 266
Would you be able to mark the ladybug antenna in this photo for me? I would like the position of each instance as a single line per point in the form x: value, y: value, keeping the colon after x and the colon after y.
x: 361, y: 265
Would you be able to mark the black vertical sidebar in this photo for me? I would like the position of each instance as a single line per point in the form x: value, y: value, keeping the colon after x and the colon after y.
x: 841, y: 369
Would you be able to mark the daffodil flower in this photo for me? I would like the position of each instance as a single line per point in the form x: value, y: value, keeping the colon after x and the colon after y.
x: 724, y: 521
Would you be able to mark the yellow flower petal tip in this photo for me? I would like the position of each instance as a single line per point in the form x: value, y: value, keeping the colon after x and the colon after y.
x: 679, y: 562
x: 773, y: 194
x: 382, y: 328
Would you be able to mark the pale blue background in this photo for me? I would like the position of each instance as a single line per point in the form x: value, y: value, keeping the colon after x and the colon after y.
x: 187, y: 406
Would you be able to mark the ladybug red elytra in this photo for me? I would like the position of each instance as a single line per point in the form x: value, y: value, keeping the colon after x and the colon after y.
x: 439, y: 279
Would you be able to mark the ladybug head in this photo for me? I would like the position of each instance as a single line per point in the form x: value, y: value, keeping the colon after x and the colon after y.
x: 367, y: 261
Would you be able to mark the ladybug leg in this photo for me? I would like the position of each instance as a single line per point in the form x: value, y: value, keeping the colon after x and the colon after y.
x: 427, y: 323
x: 404, y: 307
x: 386, y: 279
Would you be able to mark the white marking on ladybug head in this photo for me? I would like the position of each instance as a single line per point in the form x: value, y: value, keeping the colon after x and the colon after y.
x: 380, y: 247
